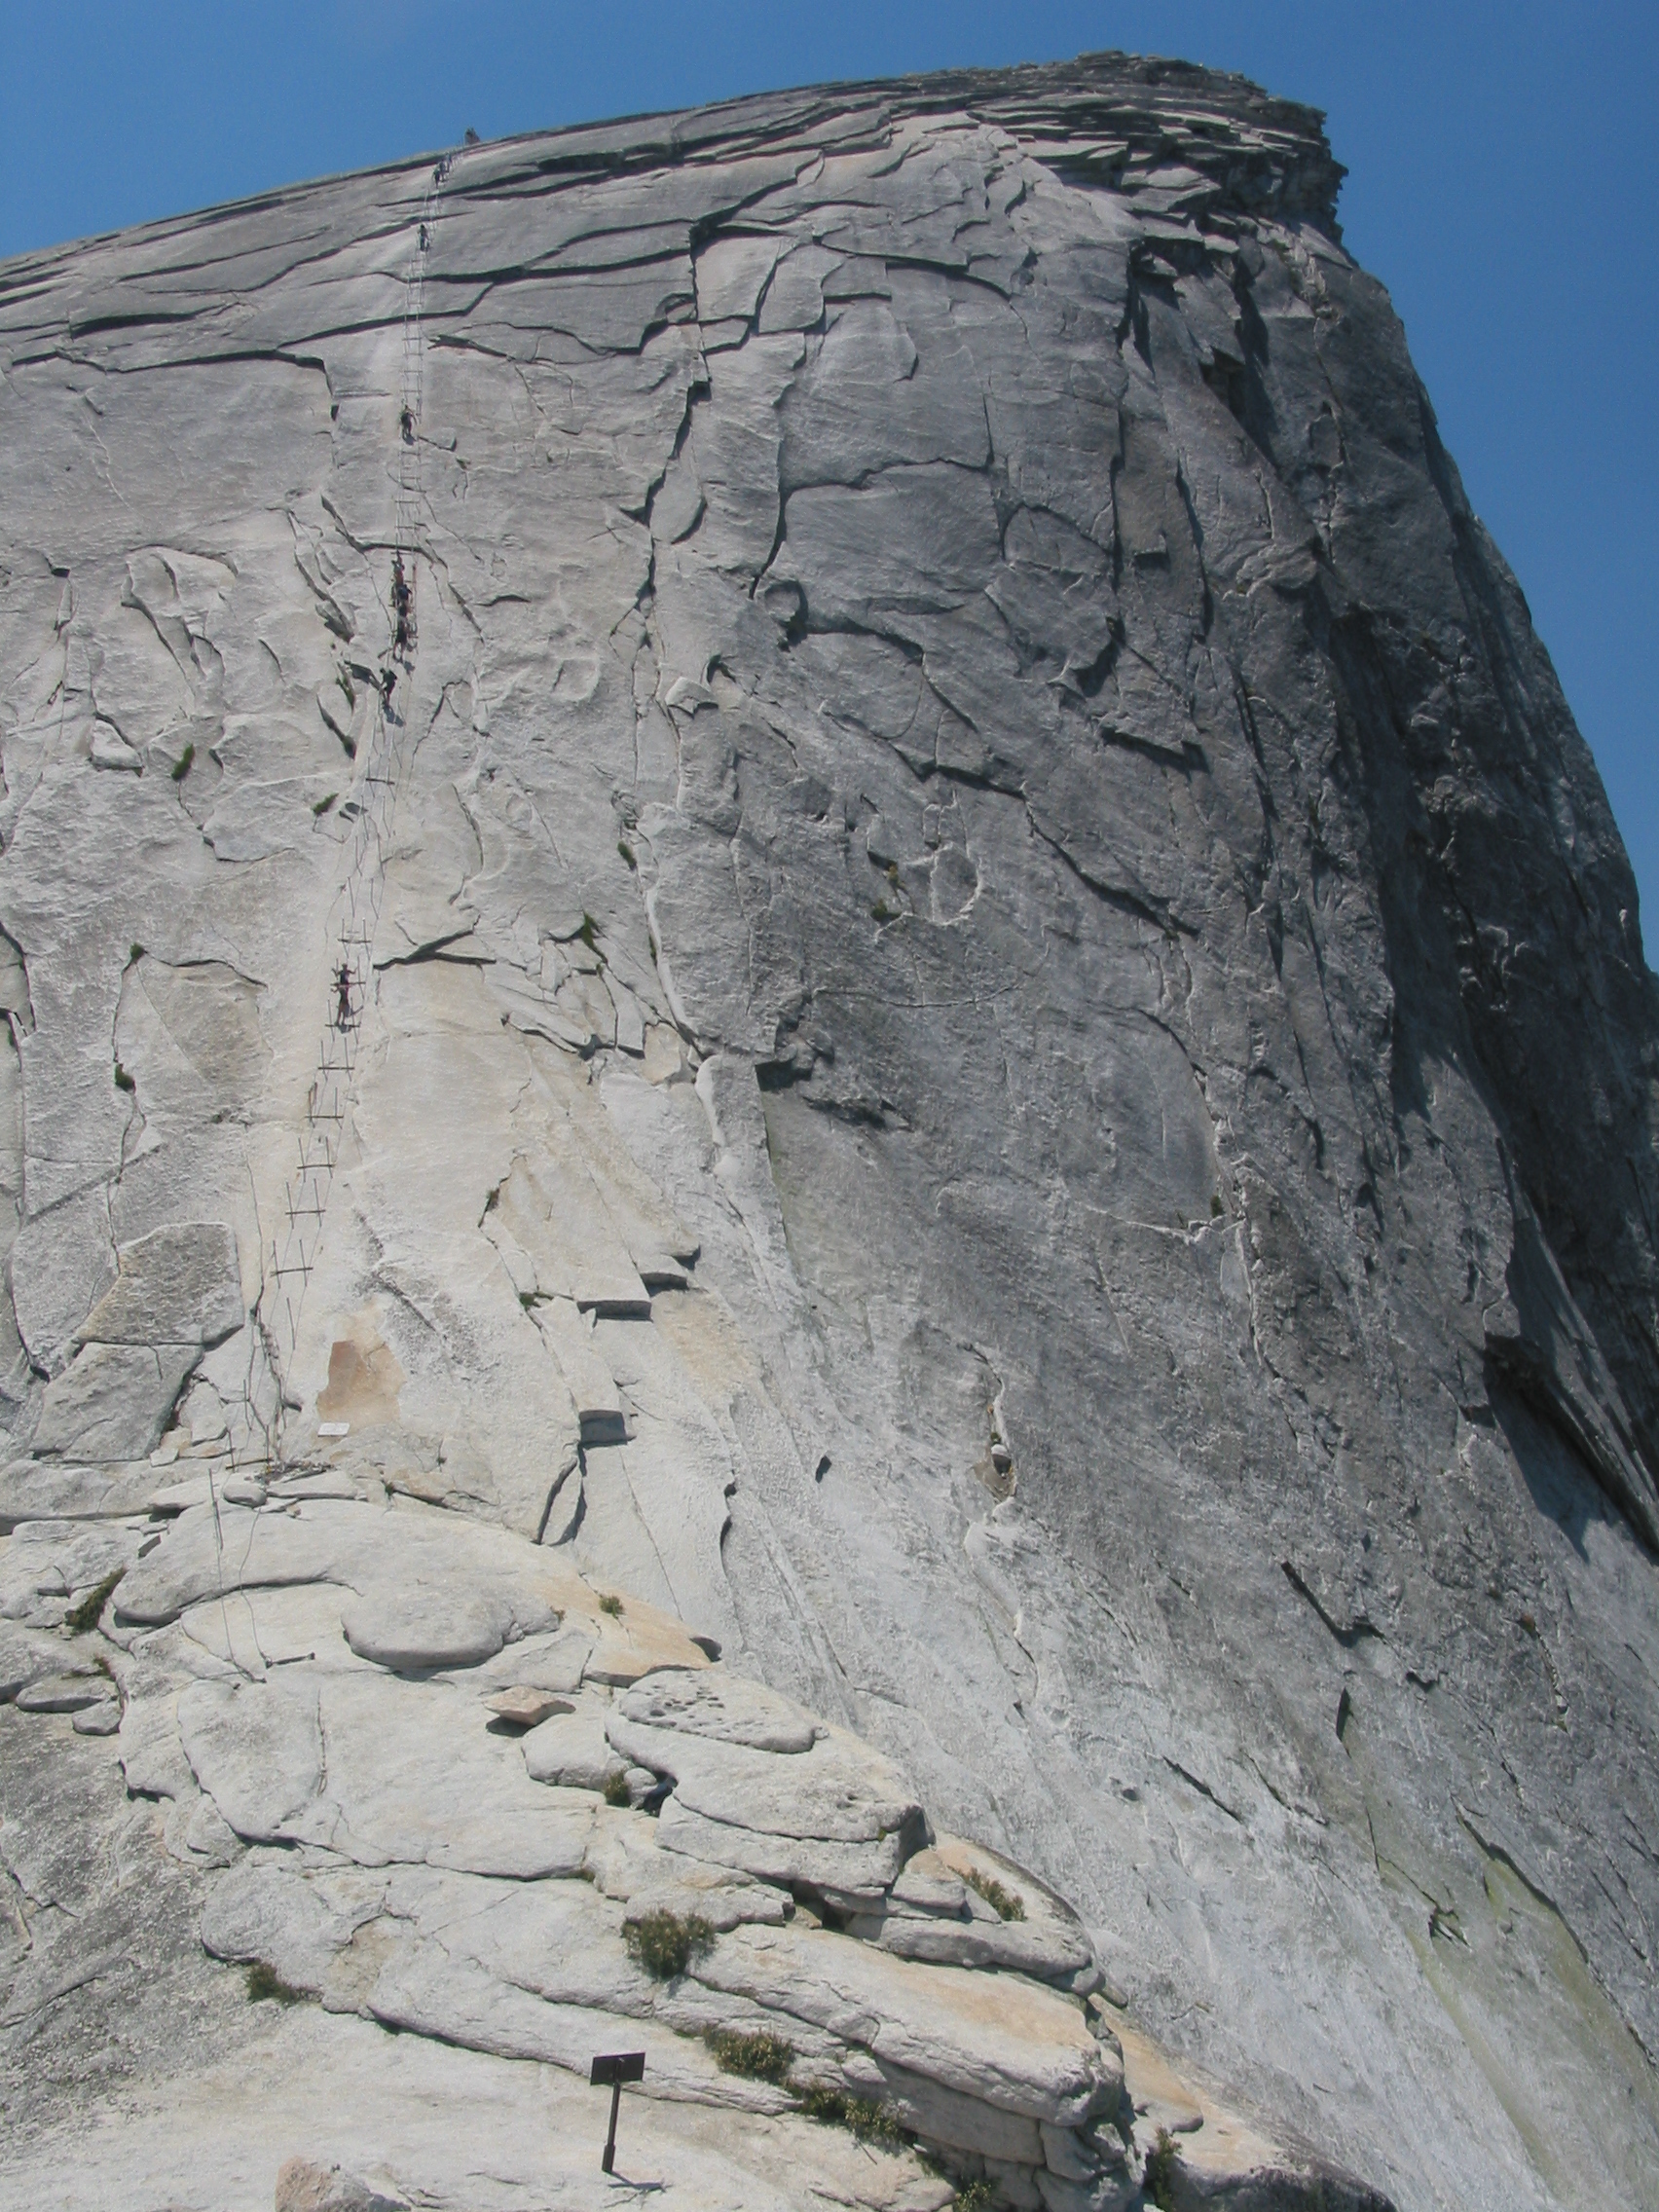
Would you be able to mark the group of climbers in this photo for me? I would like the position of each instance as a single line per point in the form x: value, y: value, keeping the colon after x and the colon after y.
x: 403, y: 597
x: 402, y: 626
x: 403, y: 608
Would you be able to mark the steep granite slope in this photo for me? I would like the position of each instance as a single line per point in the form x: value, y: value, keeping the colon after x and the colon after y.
x: 803, y: 857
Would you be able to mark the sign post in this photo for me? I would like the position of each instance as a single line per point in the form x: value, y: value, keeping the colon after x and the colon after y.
x: 609, y: 2073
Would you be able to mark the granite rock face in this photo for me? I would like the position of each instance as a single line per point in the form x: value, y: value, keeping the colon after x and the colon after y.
x: 806, y: 963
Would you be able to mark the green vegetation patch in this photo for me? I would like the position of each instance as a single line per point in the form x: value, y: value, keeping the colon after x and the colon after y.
x: 1008, y: 1902
x: 615, y: 1790
x: 862, y: 2117
x: 750, y: 2052
x: 666, y: 1942
x: 88, y: 1612
x: 1158, y: 2182
x: 264, y: 1981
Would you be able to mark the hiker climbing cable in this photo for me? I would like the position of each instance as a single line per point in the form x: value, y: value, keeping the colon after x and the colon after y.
x: 402, y: 603
x: 287, y: 1265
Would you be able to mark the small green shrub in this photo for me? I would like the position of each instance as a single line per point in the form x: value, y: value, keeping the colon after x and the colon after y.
x: 264, y: 1981
x: 613, y: 1605
x: 588, y: 930
x: 881, y: 911
x: 1158, y: 2180
x: 134, y: 953
x: 977, y: 2197
x: 615, y: 1789
x: 753, y: 2053
x: 123, y: 1081
x: 862, y: 2117
x: 664, y: 1943
x: 1008, y: 1902
x: 90, y: 1612
x: 627, y: 852
x: 182, y: 765
x: 320, y: 806
x: 1216, y: 1207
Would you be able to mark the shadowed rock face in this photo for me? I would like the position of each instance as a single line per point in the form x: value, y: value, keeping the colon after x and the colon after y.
x: 997, y: 1046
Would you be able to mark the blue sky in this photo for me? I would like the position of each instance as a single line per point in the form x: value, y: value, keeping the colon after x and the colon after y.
x: 1503, y: 161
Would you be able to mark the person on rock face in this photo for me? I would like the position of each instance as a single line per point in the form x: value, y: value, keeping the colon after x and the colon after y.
x: 400, y: 602
x: 388, y: 679
x: 343, y: 990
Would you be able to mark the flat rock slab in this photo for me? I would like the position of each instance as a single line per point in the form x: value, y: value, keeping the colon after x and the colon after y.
x: 571, y: 1750
x: 407, y: 1562
x: 991, y: 1945
x: 101, y: 1719
x: 835, y: 1788
x: 851, y: 1876
x: 627, y: 1859
x: 180, y: 1493
x: 524, y: 1706
x: 63, y: 1560
x: 929, y: 1885
x: 551, y: 1664
x: 725, y: 1706
x: 997, y: 2042
x: 1042, y: 1936
x: 26, y: 1656
x: 179, y: 1285
x: 409, y: 1776
x: 67, y: 1693
x: 420, y: 1629
x: 113, y: 1401
x: 297, y: 1922
x: 256, y: 1630
x: 35, y: 1490
x: 642, y: 1641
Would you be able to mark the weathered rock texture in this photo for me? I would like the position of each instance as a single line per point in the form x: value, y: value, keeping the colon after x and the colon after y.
x: 996, y: 1064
